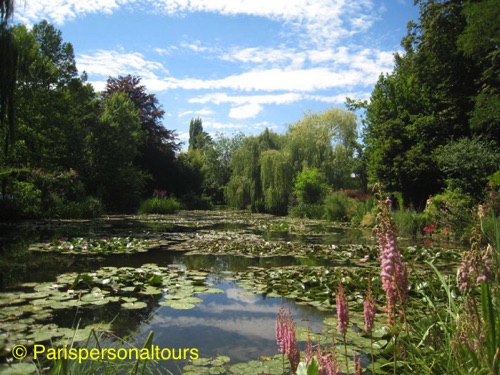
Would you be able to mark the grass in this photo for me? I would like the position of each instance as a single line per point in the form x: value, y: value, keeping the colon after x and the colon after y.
x: 160, y: 206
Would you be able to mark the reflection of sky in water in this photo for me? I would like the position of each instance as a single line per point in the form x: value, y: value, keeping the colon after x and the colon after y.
x: 239, y: 326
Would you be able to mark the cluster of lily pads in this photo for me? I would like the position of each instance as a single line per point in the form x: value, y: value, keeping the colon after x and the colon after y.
x: 220, y: 365
x: 97, y: 245
x: 27, y: 316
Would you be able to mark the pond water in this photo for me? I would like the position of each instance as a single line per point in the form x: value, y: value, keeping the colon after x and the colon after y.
x: 198, y: 284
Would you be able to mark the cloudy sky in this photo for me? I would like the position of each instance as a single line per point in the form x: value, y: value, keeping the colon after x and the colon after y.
x: 238, y: 64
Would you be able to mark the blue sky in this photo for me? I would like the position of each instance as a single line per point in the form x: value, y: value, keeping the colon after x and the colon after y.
x: 240, y: 65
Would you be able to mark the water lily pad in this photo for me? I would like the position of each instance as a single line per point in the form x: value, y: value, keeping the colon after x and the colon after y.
x: 134, y: 305
x: 20, y: 368
x: 178, y: 304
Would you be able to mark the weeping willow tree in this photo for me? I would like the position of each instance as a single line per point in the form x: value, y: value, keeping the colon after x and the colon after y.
x: 324, y: 140
x: 8, y: 67
x: 245, y: 187
x: 276, y: 177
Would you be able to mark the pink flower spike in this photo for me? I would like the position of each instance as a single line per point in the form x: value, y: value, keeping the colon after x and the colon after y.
x: 342, y: 310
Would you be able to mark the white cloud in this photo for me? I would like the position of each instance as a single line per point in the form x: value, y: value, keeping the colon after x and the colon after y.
x: 323, y: 20
x: 299, y: 80
x: 219, y: 98
x: 246, y: 111
x: 199, y: 112
x: 60, y: 11
x: 113, y: 63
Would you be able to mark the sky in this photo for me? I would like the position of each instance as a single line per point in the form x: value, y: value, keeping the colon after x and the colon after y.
x: 239, y: 65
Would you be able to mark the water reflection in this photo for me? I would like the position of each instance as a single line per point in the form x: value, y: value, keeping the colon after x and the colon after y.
x: 232, y: 324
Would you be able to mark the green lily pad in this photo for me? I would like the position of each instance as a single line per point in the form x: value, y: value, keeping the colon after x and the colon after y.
x: 134, y: 305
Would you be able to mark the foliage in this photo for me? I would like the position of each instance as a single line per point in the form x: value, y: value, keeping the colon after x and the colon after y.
x: 361, y: 209
x: 218, y: 157
x: 156, y: 155
x: 198, y: 139
x: 466, y: 164
x: 450, y: 210
x: 338, y: 206
x: 88, y: 208
x: 410, y: 223
x: 27, y: 200
x: 309, y: 211
x: 275, y: 174
x: 447, y: 74
x: 160, y: 206
x: 310, y: 186
x: 114, y: 144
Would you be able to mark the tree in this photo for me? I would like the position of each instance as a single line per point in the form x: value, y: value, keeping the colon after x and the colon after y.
x: 6, y: 10
x: 198, y: 139
x: 48, y: 94
x: 276, y: 177
x: 467, y: 163
x: 479, y: 41
x: 310, y: 186
x: 324, y: 140
x: 218, y: 157
x: 245, y: 186
x: 8, y: 68
x: 113, y: 145
x: 436, y: 93
x: 157, y: 154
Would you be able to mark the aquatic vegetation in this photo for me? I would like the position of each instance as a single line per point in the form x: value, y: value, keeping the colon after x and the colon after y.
x: 28, y: 316
x: 109, y: 245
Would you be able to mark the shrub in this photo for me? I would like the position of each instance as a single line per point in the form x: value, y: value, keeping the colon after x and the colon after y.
x: 339, y: 207
x: 361, y: 209
x: 25, y: 202
x: 88, y: 209
x: 408, y: 222
x: 160, y: 206
x: 452, y: 210
x: 196, y: 202
x: 309, y: 211
x: 310, y: 186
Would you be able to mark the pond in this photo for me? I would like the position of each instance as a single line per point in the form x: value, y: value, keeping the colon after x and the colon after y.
x: 210, y: 281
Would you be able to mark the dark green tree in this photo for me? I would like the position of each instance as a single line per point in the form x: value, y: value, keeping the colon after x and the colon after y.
x: 198, y: 139
x: 113, y: 145
x: 157, y: 155
x: 440, y: 90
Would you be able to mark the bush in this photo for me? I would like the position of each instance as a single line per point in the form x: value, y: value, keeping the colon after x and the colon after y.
x: 309, y: 211
x: 195, y: 202
x: 452, y: 210
x: 310, y: 186
x: 339, y: 207
x: 361, y: 209
x: 88, y: 209
x: 409, y: 222
x: 25, y: 202
x: 160, y: 206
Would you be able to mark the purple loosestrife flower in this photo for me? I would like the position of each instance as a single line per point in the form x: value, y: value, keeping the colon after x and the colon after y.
x: 285, y: 337
x: 369, y: 310
x: 358, y: 370
x: 393, y: 273
x: 342, y: 310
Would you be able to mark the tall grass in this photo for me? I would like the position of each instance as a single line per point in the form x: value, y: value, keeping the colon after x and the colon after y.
x: 160, y: 206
